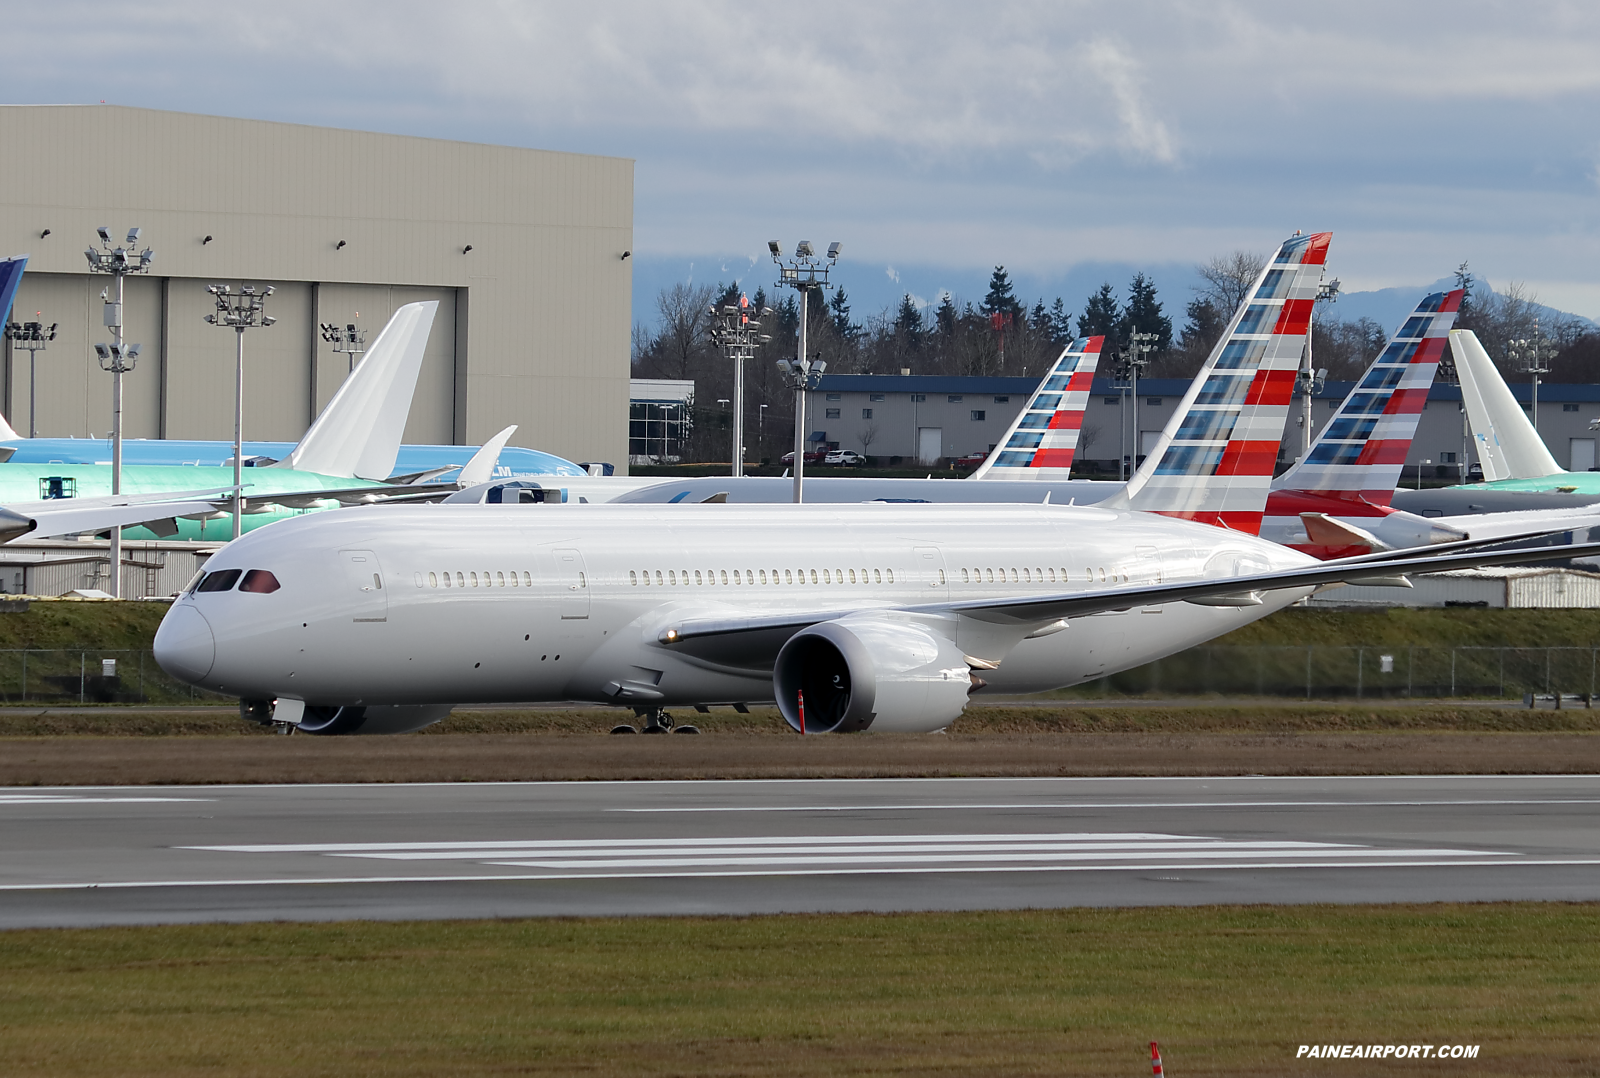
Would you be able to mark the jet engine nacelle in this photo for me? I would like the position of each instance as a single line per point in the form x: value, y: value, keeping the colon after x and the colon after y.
x: 856, y: 673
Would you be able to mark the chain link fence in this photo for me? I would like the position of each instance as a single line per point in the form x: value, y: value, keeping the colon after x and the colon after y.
x: 87, y: 676
x: 1332, y: 672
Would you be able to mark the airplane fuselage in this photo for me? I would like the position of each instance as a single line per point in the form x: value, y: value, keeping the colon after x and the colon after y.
x: 409, y: 605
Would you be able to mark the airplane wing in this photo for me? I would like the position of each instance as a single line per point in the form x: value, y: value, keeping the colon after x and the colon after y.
x: 736, y: 635
x: 64, y: 516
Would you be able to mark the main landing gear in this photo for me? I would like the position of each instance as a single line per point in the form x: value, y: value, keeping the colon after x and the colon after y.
x: 656, y: 721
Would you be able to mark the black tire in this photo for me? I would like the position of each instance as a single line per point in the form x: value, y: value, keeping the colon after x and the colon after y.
x: 686, y: 729
x: 332, y: 721
x: 624, y: 728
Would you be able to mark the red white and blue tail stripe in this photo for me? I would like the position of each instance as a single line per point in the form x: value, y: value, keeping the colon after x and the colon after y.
x: 1354, y: 465
x: 1044, y: 436
x: 1214, y: 461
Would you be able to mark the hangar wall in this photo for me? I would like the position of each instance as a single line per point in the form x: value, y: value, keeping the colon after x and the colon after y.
x: 533, y: 325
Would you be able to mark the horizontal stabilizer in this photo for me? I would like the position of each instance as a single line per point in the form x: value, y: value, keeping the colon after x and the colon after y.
x: 1323, y: 530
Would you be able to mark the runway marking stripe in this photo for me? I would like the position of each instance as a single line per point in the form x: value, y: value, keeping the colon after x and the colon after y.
x: 1153, y: 866
x: 966, y: 858
x: 644, y: 849
x: 793, y: 840
x: 1117, y: 805
x: 52, y: 798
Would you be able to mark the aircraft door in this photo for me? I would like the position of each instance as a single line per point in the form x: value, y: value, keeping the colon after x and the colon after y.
x: 930, y: 568
x: 573, y: 579
x: 365, y: 576
x: 1147, y: 570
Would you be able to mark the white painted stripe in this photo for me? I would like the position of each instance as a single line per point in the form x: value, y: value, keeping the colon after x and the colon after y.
x: 797, y: 840
x: 53, y: 799
x: 1152, y: 866
x: 646, y: 849
x: 963, y: 806
x: 973, y: 858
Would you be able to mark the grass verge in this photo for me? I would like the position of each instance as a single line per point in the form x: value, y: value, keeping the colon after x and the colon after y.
x: 1226, y: 990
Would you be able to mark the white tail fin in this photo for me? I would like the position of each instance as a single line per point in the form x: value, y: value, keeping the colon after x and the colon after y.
x: 358, y: 434
x: 1359, y: 454
x: 1214, y: 461
x: 1508, y: 445
x: 480, y: 469
x: 1044, y: 436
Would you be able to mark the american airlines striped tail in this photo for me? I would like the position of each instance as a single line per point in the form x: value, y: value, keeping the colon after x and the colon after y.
x: 1359, y: 453
x: 1214, y: 461
x: 1044, y: 436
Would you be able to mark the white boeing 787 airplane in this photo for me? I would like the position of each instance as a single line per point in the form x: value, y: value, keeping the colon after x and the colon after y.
x: 874, y: 616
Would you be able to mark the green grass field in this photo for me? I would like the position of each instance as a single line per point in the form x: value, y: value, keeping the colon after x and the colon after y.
x: 1227, y: 991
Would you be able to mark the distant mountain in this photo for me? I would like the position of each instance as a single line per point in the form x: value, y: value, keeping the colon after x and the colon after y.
x: 1389, y: 306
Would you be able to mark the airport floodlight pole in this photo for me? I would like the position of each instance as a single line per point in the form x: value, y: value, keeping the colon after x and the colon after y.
x: 1530, y: 354
x: 117, y: 358
x: 806, y: 273
x: 1309, y: 380
x: 239, y: 311
x: 33, y: 337
x: 1140, y: 345
x: 737, y: 334
x: 350, y: 339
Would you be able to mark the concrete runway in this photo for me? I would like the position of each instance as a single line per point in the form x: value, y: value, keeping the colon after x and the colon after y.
x: 144, y: 855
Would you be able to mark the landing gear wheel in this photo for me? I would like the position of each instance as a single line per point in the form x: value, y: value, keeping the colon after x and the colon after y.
x: 624, y: 728
x: 656, y: 720
x: 686, y: 729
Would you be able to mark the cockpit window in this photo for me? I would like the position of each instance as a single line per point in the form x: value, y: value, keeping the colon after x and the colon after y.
x: 221, y: 580
x: 259, y: 580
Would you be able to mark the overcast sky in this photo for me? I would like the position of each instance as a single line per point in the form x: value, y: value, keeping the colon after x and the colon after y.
x: 936, y: 140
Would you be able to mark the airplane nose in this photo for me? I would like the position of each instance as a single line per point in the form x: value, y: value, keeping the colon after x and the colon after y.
x: 184, y: 645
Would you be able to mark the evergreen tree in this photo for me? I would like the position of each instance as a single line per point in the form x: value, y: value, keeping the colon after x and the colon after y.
x: 908, y: 324
x: 1101, y: 316
x: 1206, y: 323
x: 786, y: 315
x: 1001, y: 299
x: 945, y: 317
x: 727, y: 295
x: 847, y: 330
x: 1061, y: 323
x: 1144, y: 314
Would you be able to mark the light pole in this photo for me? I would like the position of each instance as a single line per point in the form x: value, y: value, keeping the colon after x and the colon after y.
x: 32, y: 336
x: 735, y: 332
x: 349, y: 339
x: 1309, y: 380
x: 1528, y: 353
x: 239, y: 311
x: 118, y: 359
x: 806, y: 273
x: 1140, y: 345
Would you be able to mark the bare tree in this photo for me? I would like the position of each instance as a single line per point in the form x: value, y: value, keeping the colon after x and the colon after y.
x: 868, y: 434
x: 685, y: 311
x: 1229, y: 278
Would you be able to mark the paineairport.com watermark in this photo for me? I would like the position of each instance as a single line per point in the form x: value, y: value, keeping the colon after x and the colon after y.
x: 1387, y: 1051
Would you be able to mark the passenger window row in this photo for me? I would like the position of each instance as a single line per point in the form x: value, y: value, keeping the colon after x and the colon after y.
x: 1035, y: 576
x: 259, y: 581
x: 671, y: 578
x: 470, y: 579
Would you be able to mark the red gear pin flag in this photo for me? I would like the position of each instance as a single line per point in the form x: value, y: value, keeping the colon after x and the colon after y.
x: 801, y: 698
x: 1155, y: 1060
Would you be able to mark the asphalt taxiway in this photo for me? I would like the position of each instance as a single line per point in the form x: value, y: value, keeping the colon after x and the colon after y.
x: 141, y: 855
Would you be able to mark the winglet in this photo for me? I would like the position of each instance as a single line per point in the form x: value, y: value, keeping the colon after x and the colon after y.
x: 358, y: 434
x: 1214, y: 461
x: 480, y: 469
x: 1508, y: 445
x: 1044, y: 436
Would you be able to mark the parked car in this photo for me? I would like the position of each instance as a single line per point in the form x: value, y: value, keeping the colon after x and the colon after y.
x: 971, y: 459
x: 810, y: 458
x: 844, y: 456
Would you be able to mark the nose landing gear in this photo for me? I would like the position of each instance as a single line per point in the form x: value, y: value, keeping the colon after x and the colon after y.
x: 656, y: 721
